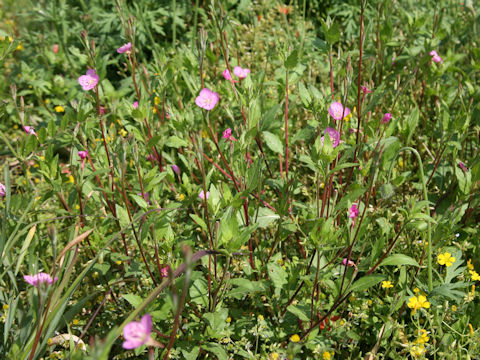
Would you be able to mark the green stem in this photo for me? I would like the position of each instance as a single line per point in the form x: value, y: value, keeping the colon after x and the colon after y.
x: 427, y: 210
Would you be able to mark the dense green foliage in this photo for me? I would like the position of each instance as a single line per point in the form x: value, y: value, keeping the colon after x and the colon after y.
x: 305, y: 247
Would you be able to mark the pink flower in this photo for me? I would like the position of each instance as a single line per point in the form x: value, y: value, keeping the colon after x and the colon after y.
x: 39, y: 279
x: 3, y: 190
x: 137, y: 333
x: 83, y: 154
x: 347, y: 262
x: 89, y: 81
x: 226, y: 74
x: 386, y: 118
x: 55, y: 48
x: 240, y: 72
x: 29, y: 130
x: 337, y: 111
x: 366, y: 90
x: 227, y: 135
x: 176, y: 169
x: 127, y: 48
x: 150, y: 157
x: 164, y: 271
x: 334, y: 136
x: 207, y: 99
x: 462, y: 166
x: 353, y: 211
x: 202, y: 195
x: 435, y: 57
x: 102, y: 110
x: 135, y: 105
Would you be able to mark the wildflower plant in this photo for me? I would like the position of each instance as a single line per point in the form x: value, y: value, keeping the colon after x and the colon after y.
x: 208, y: 193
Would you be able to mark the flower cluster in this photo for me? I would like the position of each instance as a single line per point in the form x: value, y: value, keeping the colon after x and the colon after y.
x: 40, y: 279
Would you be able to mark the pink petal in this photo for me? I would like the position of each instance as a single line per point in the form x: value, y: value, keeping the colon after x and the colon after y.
x: 146, y: 321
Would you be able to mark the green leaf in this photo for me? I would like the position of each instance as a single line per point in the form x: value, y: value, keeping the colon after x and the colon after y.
x: 292, y: 60
x: 399, y: 259
x: 133, y: 299
x: 216, y: 349
x: 273, y: 142
x: 193, y: 354
x: 199, y: 221
x: 244, y: 287
x: 277, y: 274
x: 122, y: 216
x: 175, y: 142
x: 304, y: 95
x: 266, y: 217
x: 366, y: 282
x: 301, y: 314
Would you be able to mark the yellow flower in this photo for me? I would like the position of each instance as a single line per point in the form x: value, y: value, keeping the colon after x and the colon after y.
x: 157, y: 100
x: 422, y: 336
x: 19, y: 47
x: 229, y: 319
x: 75, y: 321
x: 470, y: 265
x: 180, y: 197
x: 295, y: 338
x: 470, y: 327
x: 118, y: 262
x: 386, y: 284
x: 274, y: 356
x: 59, y: 109
x: 419, y: 302
x: 417, y: 350
x: 71, y: 179
x: 326, y: 355
x: 446, y: 259
x: 47, y: 101
x: 416, y: 290
x: 122, y: 132
x: 475, y: 275
x: 260, y: 317
x: 5, y: 307
x: 454, y: 308
x: 77, y: 207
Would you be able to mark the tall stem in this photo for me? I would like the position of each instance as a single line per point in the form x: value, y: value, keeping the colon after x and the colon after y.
x: 427, y: 210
